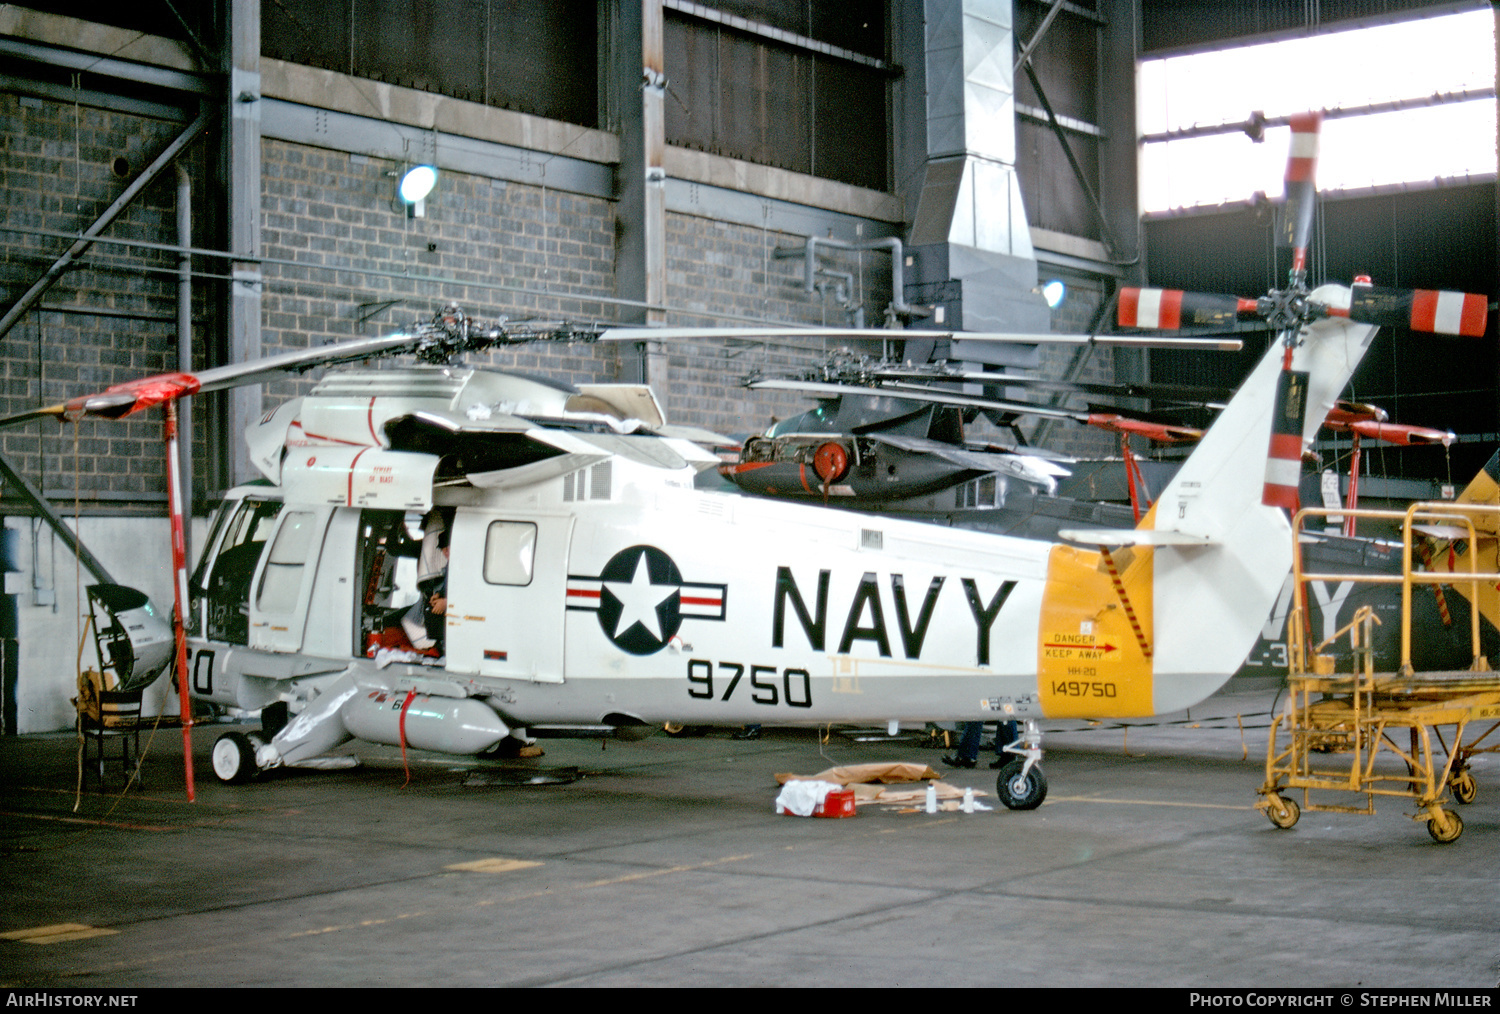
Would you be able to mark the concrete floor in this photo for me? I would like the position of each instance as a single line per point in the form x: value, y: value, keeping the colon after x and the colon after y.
x: 664, y: 865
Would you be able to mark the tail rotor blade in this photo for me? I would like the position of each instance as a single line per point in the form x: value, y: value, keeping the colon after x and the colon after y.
x: 1301, y: 189
x: 1172, y: 309
x: 1456, y: 313
x: 1284, y: 461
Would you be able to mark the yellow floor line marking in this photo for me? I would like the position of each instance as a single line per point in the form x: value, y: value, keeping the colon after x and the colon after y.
x: 57, y: 933
x: 499, y: 864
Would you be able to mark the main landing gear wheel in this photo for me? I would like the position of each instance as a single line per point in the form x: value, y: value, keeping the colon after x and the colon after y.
x: 1464, y: 787
x: 1447, y: 830
x: 234, y: 758
x: 1018, y: 791
x: 1283, y: 812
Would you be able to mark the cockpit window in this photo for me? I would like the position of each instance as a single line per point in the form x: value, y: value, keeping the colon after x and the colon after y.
x: 227, y: 584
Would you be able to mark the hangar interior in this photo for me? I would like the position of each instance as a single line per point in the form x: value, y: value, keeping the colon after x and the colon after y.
x: 187, y: 186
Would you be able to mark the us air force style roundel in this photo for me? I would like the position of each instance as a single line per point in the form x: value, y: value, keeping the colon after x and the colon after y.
x: 641, y: 599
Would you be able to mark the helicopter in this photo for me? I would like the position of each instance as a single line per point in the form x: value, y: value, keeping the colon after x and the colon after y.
x: 588, y: 583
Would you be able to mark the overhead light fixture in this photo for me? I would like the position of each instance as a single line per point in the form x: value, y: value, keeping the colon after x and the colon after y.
x: 1054, y: 292
x: 416, y: 183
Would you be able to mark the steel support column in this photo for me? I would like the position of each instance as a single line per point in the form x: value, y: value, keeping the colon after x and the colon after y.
x: 638, y: 86
x: 243, y: 161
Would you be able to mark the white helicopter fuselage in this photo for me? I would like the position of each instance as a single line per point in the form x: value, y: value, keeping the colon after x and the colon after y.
x: 598, y: 587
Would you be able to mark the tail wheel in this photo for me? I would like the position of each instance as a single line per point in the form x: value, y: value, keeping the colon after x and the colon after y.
x: 1283, y: 812
x: 1021, y: 791
x: 234, y: 758
x: 1464, y: 787
x: 1446, y: 829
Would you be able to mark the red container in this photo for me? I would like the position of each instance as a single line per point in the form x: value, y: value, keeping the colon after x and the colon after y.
x: 838, y: 803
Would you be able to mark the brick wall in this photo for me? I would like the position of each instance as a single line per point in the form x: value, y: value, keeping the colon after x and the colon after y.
x: 110, y: 318
x: 330, y: 210
x: 1075, y: 315
x: 339, y: 247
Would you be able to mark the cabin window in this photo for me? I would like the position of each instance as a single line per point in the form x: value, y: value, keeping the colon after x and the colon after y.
x: 509, y: 552
x: 281, y: 582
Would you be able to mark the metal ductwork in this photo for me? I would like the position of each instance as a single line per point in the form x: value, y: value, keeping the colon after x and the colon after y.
x: 970, y: 249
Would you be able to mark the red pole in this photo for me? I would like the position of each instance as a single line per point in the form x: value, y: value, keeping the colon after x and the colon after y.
x: 1353, y: 499
x: 179, y: 589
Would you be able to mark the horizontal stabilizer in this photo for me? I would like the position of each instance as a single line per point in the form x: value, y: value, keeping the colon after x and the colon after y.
x: 1114, y: 537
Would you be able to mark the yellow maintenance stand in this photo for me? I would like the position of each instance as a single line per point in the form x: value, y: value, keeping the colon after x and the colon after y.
x: 1336, y: 727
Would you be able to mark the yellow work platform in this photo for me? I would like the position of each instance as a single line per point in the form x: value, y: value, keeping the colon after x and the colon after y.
x: 1336, y: 727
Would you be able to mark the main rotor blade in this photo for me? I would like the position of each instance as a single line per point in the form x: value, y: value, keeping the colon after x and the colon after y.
x: 120, y: 400
x: 1401, y: 433
x: 1456, y: 313
x: 1210, y: 397
x: 1161, y: 432
x: 640, y: 334
x: 901, y: 391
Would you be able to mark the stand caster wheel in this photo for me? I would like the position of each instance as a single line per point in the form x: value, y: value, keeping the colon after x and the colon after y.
x: 1283, y: 812
x: 1444, y: 834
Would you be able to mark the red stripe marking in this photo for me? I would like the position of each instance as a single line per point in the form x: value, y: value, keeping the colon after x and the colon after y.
x: 1130, y: 303
x: 1475, y: 313
x: 370, y: 420
x: 582, y: 593
x: 1286, y: 446
x: 349, y: 497
x: 695, y: 601
x: 1135, y: 623
x: 1171, y: 309
x: 1424, y: 304
x: 332, y: 440
x: 802, y: 474
x: 1280, y: 496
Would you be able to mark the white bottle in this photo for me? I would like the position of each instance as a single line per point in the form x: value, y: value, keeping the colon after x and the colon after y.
x: 931, y: 798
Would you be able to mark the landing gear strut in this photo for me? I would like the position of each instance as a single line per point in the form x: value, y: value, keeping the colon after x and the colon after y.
x: 1022, y: 785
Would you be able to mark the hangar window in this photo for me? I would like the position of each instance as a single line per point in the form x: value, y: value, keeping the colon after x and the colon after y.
x: 1406, y: 103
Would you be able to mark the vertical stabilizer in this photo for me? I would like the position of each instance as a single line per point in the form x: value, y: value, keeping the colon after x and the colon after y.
x: 1210, y: 601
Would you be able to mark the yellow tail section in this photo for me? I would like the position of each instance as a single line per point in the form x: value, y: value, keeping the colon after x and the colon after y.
x: 1095, y: 659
